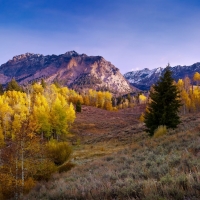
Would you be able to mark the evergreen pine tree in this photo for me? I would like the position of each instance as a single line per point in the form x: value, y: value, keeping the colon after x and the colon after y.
x: 78, y: 106
x: 164, y: 104
x: 1, y: 89
x: 43, y: 83
x: 57, y: 83
x: 13, y: 85
x: 129, y: 97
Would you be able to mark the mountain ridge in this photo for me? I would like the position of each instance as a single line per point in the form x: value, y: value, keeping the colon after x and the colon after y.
x: 143, y: 79
x: 74, y: 70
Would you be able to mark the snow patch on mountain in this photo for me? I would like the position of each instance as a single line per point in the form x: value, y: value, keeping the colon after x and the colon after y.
x: 143, y: 79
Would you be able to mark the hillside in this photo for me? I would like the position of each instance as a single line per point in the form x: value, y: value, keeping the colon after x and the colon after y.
x: 74, y: 70
x: 143, y: 79
x: 119, y: 161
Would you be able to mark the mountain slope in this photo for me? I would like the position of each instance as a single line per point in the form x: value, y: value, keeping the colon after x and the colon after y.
x: 143, y: 79
x: 72, y: 69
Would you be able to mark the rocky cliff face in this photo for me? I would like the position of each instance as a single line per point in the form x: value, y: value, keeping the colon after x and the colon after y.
x: 71, y: 69
x: 143, y: 79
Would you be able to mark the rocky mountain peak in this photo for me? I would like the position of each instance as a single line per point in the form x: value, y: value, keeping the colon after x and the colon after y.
x: 71, y: 53
x: 25, y: 56
x: 74, y: 70
x: 143, y: 79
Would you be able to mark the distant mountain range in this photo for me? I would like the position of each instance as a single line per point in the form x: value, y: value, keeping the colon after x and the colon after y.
x: 80, y: 72
x: 74, y: 70
x: 143, y: 79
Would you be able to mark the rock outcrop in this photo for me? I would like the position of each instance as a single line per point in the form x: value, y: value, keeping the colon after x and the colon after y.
x: 75, y: 70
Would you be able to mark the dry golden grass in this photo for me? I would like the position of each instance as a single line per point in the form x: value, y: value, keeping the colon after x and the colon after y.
x: 124, y: 163
x: 160, y: 131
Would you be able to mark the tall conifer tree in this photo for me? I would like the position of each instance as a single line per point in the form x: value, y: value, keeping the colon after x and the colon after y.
x: 1, y: 89
x: 13, y: 85
x: 163, y: 106
x: 78, y: 106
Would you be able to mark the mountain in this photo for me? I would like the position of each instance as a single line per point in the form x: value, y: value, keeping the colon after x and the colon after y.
x: 74, y: 70
x: 143, y: 79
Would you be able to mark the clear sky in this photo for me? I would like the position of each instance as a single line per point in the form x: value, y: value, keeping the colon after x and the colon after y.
x: 131, y: 34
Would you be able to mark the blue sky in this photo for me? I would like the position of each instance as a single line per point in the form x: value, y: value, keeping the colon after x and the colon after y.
x: 131, y: 34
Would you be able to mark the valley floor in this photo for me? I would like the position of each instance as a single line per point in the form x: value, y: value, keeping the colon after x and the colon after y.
x: 99, y: 132
x: 115, y: 159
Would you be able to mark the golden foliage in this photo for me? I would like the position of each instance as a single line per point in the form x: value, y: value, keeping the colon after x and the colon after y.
x: 26, y: 121
x: 189, y: 94
x: 142, y: 99
x: 141, y: 119
x: 58, y: 152
x: 160, y: 131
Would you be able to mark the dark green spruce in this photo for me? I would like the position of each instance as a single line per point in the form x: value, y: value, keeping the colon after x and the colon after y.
x: 43, y: 83
x: 13, y: 85
x: 78, y: 106
x: 1, y: 89
x: 164, y: 104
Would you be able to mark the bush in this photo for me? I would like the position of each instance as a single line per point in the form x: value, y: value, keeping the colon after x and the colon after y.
x: 58, y: 152
x: 141, y: 119
x: 160, y: 131
x: 44, y: 170
x: 29, y: 184
x: 7, y: 188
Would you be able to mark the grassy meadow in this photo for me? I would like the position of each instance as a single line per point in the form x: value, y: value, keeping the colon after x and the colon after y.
x: 122, y: 162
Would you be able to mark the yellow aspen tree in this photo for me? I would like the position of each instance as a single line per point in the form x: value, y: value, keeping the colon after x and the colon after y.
x: 5, y: 117
x: 71, y: 114
x: 43, y: 122
x: 93, y: 97
x: 187, y: 84
x: 58, y: 118
x: 108, y: 101
x: 196, y: 78
x: 185, y: 95
x: 120, y: 106
x: 125, y: 104
x: 100, y: 99
x: 192, y: 100
x: 142, y: 99
x: 80, y: 98
x: 108, y: 105
x: 196, y: 97
x: 180, y: 85
x: 86, y: 100
x: 185, y: 99
x: 64, y: 91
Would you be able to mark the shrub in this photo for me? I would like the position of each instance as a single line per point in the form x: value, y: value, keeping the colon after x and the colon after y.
x: 6, y: 186
x: 141, y: 119
x: 167, y: 179
x: 182, y: 181
x: 58, y: 152
x: 44, y: 170
x: 160, y: 131
x: 29, y: 184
